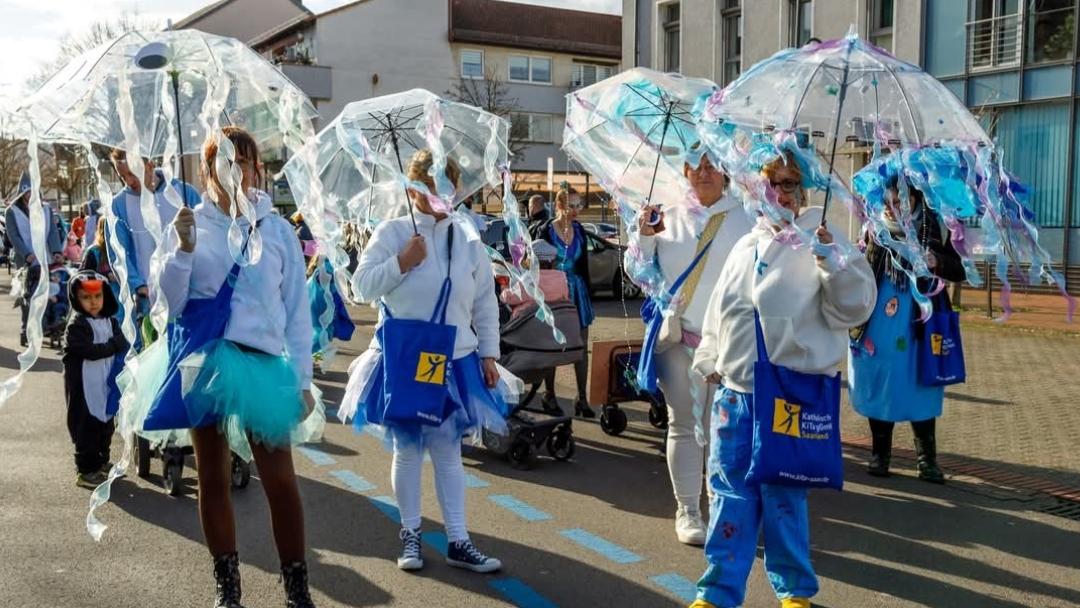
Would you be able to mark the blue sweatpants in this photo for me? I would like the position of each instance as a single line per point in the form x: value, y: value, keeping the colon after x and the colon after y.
x: 738, y: 512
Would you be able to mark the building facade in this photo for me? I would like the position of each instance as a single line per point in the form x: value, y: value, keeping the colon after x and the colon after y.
x: 1014, y: 64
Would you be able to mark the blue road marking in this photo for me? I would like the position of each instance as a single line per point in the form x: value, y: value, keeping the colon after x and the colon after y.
x: 316, y: 456
x: 679, y: 586
x: 605, y: 548
x: 522, y: 510
x: 353, y: 481
x: 472, y: 481
x: 388, y: 506
x: 437, y: 541
x: 520, y: 594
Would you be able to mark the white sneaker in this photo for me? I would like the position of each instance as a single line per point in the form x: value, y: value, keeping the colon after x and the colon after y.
x: 688, y: 526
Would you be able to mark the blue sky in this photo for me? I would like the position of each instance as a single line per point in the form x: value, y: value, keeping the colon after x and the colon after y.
x: 32, y: 27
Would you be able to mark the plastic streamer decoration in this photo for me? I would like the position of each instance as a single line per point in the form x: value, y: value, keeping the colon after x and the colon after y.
x: 920, y: 135
x: 355, y: 172
x: 156, y: 95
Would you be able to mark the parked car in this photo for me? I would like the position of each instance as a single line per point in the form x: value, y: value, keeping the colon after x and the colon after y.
x: 601, y: 229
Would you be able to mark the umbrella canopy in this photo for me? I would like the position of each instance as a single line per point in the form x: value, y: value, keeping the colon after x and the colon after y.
x: 125, y: 86
x: 634, y: 131
x: 884, y: 100
x: 357, y: 163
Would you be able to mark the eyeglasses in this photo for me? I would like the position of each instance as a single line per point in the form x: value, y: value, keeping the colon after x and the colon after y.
x: 787, y: 186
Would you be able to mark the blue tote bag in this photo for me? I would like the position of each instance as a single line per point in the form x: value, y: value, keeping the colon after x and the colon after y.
x: 417, y: 356
x: 652, y: 313
x: 796, y: 426
x: 941, y: 353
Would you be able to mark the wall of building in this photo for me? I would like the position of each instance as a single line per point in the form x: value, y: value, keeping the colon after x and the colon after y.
x: 405, y: 44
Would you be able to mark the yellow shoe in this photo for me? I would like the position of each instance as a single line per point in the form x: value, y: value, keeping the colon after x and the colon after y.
x: 700, y: 603
x: 795, y: 602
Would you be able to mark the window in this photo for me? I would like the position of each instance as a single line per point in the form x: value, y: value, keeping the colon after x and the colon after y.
x: 802, y: 21
x: 881, y: 24
x: 530, y: 69
x: 732, y: 17
x: 585, y: 74
x: 472, y: 63
x: 672, y: 42
x: 531, y: 127
x: 1050, y: 29
x: 994, y: 33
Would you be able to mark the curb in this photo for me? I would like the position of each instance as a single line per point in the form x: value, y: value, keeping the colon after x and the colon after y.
x: 995, y: 475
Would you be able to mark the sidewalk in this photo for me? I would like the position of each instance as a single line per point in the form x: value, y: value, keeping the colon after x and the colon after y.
x: 1030, y: 312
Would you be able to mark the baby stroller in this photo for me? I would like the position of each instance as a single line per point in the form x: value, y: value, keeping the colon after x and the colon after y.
x: 613, y: 373
x: 530, y: 352
x: 54, y: 321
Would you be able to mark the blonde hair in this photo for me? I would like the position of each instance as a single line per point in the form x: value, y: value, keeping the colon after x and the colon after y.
x: 786, y: 159
x: 99, y: 234
x: 419, y: 169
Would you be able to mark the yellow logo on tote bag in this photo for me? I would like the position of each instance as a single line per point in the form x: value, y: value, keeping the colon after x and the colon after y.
x: 935, y: 343
x: 431, y: 369
x: 786, y: 418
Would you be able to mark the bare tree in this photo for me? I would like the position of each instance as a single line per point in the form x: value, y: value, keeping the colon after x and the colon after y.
x: 67, y: 172
x: 13, y: 161
x: 492, y: 94
x: 97, y: 34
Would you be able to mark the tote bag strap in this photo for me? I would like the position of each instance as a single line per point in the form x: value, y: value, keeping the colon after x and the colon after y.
x: 686, y: 273
x: 759, y: 336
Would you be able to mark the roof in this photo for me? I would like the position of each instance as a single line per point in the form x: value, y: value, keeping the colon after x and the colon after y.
x: 292, y: 24
x: 528, y: 26
x: 213, y: 6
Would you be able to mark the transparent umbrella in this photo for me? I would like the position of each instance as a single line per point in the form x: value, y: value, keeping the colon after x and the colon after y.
x: 356, y: 164
x: 634, y: 131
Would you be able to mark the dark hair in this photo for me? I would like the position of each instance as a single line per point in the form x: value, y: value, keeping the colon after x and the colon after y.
x: 244, y: 144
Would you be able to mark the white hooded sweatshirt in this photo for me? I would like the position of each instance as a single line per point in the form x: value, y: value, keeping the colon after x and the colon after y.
x: 806, y: 307
x: 270, y: 309
x: 473, y: 308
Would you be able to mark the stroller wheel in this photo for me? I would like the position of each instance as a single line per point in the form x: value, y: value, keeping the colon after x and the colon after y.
x: 142, y: 457
x: 658, y: 416
x: 173, y: 475
x: 521, y: 455
x: 612, y: 420
x: 560, y: 443
x: 241, y: 472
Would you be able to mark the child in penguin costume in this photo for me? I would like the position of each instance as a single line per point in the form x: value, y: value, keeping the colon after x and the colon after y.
x: 94, y: 350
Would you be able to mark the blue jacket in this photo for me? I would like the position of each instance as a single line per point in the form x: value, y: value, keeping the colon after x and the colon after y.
x: 122, y: 226
x: 21, y: 242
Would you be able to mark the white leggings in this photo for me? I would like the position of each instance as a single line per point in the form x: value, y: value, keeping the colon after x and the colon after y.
x: 449, y: 481
x: 685, y: 458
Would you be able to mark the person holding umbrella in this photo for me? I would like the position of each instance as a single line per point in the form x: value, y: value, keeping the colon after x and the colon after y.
x: 806, y: 303
x: 440, y: 267
x: 241, y: 342
x: 883, y: 368
x: 679, y: 241
x: 17, y: 221
x: 131, y: 228
x: 569, y: 238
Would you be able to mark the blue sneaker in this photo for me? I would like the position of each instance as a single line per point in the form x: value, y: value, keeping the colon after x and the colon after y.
x: 462, y: 554
x: 410, y: 550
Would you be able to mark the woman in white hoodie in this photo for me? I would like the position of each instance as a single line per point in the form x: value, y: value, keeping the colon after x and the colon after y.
x: 671, y: 241
x: 239, y: 360
x: 807, y: 302
x: 405, y: 271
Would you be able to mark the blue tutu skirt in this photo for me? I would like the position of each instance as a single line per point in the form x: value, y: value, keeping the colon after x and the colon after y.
x: 473, y: 405
x: 250, y: 394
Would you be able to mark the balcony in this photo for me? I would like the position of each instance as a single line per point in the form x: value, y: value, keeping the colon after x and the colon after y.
x: 995, y: 43
x: 313, y: 80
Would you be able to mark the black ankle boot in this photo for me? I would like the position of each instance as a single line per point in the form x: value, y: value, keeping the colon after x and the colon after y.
x: 880, y: 455
x: 295, y: 577
x: 581, y: 408
x: 227, y: 576
x: 926, y: 459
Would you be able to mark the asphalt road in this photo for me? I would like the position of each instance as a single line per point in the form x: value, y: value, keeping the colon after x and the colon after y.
x: 596, y: 531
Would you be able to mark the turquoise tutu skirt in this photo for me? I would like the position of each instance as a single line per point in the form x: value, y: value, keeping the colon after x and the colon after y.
x: 252, y: 396
x: 474, y: 406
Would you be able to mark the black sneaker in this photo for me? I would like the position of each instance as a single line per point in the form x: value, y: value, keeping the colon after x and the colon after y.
x: 91, y: 480
x: 462, y: 554
x: 410, y: 559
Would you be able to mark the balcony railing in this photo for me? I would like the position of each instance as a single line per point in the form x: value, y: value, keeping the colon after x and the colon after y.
x: 995, y: 43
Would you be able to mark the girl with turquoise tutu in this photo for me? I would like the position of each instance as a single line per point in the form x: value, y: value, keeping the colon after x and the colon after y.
x: 883, y: 367
x: 410, y: 271
x: 235, y: 367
